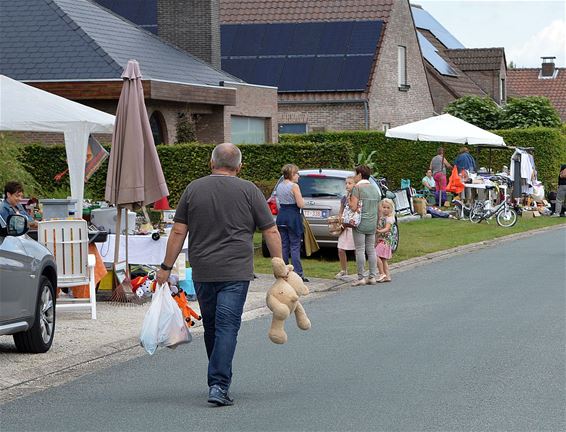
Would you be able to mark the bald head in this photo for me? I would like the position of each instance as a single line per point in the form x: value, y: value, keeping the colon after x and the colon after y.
x: 226, y: 156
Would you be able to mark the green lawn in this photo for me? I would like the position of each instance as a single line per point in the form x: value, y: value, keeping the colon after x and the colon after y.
x: 416, y: 239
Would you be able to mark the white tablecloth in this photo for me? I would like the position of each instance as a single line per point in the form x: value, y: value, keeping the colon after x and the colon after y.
x: 142, y: 249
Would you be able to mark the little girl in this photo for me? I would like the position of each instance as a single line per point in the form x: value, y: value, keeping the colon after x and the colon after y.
x: 384, y: 238
x: 346, y: 239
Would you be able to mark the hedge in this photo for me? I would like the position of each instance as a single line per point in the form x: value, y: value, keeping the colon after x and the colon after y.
x: 183, y: 163
x: 401, y: 159
x: 396, y: 159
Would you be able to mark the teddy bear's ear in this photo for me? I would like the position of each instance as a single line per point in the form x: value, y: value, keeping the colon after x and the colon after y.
x: 290, y: 267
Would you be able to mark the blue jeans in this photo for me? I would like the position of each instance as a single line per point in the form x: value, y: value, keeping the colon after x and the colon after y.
x: 221, y: 306
x: 291, y: 243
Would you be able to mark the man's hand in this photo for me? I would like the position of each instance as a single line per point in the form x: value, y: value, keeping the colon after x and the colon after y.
x: 162, y: 276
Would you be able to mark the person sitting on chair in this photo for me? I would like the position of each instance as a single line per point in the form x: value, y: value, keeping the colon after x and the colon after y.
x: 13, y: 193
x: 428, y: 181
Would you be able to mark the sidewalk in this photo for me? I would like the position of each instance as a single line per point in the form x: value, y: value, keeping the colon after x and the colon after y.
x: 82, y: 345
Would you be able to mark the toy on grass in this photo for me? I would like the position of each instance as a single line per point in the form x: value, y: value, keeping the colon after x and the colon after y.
x: 283, y: 300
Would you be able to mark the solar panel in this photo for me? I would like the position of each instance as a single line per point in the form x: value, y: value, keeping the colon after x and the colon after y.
x: 365, y: 35
x: 335, y: 37
x: 297, y: 57
x: 305, y: 38
x: 425, y: 21
x: 247, y: 40
x: 431, y: 55
x: 325, y: 73
x: 355, y: 73
x: 241, y: 68
x: 227, y: 36
x: 275, y: 39
x: 267, y: 71
x: 296, y: 73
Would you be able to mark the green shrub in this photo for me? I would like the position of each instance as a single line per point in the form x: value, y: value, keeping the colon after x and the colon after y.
x: 530, y: 111
x: 480, y: 111
x: 12, y: 167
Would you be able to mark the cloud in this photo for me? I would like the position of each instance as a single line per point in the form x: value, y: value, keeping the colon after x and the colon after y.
x: 549, y: 42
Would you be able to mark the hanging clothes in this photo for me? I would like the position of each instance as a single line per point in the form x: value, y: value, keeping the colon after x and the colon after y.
x: 528, y: 170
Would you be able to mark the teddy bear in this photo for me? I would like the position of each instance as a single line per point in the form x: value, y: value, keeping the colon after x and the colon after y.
x: 283, y: 299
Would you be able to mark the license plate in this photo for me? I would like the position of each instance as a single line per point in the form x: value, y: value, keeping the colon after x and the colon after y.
x: 315, y: 213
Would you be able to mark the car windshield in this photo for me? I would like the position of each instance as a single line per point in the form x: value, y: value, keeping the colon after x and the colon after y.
x: 319, y: 186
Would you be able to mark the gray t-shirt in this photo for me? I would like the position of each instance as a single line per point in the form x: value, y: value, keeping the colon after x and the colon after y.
x: 437, y: 164
x: 222, y: 213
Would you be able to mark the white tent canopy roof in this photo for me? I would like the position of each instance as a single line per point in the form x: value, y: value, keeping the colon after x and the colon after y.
x: 26, y: 108
x: 445, y: 128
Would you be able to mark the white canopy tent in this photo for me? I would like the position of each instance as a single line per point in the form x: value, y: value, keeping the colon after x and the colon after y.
x: 446, y: 128
x: 25, y: 108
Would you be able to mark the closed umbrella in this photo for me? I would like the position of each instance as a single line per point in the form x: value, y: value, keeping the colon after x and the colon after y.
x: 135, y: 177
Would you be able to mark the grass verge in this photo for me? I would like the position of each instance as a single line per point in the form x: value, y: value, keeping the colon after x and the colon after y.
x: 416, y: 239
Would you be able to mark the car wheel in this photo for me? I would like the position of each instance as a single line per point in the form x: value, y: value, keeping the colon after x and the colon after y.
x: 39, y: 337
x: 265, y: 250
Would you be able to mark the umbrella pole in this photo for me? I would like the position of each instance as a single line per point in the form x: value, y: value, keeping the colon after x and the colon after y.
x: 118, y: 292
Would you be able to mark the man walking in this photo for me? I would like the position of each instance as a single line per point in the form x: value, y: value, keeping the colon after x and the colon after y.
x: 222, y: 212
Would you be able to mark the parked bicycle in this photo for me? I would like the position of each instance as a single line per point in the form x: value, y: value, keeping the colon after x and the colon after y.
x: 505, y: 214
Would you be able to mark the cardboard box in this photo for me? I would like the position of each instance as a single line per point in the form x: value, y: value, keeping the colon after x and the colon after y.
x: 529, y: 214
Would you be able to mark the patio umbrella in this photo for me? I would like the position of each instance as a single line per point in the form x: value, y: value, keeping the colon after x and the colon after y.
x: 446, y: 128
x: 135, y: 177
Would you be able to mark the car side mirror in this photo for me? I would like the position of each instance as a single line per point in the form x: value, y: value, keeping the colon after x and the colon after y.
x: 17, y: 225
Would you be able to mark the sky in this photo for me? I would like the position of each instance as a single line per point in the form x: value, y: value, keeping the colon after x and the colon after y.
x: 527, y: 29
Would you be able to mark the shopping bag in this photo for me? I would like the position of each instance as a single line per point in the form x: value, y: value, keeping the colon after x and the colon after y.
x: 352, y: 218
x: 163, y: 325
x: 311, y: 245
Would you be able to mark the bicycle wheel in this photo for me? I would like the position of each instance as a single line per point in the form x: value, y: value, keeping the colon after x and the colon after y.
x: 395, y: 237
x: 476, y: 214
x: 507, y: 217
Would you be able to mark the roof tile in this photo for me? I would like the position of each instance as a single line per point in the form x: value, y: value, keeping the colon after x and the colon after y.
x: 526, y: 82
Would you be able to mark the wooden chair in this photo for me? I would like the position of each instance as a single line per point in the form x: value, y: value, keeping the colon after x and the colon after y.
x: 68, y: 242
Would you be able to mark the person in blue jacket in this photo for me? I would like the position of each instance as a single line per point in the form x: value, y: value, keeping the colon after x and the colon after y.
x: 465, y: 160
x: 13, y: 193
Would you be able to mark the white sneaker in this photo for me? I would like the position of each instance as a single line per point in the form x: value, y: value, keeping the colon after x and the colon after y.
x: 371, y: 281
x: 341, y: 274
x: 359, y: 282
x: 553, y: 215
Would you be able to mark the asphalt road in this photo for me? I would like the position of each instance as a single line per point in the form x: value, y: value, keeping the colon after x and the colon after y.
x: 473, y: 343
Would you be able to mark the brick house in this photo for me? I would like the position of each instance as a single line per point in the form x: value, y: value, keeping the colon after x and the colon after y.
x: 78, y: 49
x: 548, y: 80
x: 415, y: 68
x: 454, y: 71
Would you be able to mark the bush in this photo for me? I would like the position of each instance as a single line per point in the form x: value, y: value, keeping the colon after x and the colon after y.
x: 479, y: 111
x: 13, y: 169
x: 528, y: 112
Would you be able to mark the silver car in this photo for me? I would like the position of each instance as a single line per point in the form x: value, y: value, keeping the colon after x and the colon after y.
x: 322, y: 190
x: 28, y: 277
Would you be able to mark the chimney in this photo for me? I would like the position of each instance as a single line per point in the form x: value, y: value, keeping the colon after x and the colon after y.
x: 193, y: 26
x: 547, y: 70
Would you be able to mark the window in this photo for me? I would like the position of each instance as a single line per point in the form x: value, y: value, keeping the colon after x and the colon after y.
x: 385, y: 126
x: 402, y: 68
x: 293, y: 128
x: 248, y: 130
x: 157, y: 124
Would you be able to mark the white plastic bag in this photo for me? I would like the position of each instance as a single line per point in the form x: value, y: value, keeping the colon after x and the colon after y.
x: 163, y: 324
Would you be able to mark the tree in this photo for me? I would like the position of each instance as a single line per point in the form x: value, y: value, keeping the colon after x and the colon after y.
x: 529, y: 111
x: 511, y: 65
x: 185, y: 128
x: 482, y: 112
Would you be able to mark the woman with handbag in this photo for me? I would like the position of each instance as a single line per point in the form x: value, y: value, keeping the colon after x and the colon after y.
x: 364, y: 199
x: 289, y: 220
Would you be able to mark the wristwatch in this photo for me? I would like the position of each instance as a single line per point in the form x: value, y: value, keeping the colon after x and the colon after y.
x: 165, y: 267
